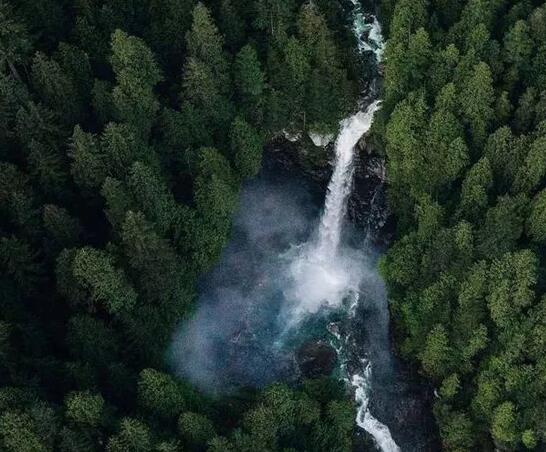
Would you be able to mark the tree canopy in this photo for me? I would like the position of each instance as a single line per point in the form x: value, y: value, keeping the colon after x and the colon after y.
x: 464, y: 141
x: 126, y: 130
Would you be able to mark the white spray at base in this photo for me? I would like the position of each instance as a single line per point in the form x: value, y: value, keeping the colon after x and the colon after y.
x: 324, y: 275
x: 321, y: 275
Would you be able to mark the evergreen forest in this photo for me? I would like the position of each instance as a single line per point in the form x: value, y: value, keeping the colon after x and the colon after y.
x: 464, y: 133
x: 127, y: 128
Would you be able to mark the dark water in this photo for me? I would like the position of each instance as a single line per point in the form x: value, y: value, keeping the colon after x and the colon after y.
x: 238, y: 335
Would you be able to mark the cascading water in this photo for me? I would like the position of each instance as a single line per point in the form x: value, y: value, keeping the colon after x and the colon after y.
x: 268, y: 296
x: 370, y: 39
x: 322, y: 275
x: 339, y: 187
x: 318, y: 279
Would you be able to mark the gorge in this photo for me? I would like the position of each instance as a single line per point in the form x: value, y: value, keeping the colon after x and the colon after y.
x: 272, y: 225
x: 297, y: 279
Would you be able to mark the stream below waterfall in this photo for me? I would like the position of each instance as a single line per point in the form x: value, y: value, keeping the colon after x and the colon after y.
x: 295, y: 276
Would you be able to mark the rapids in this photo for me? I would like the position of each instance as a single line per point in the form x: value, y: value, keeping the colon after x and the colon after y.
x: 295, y: 271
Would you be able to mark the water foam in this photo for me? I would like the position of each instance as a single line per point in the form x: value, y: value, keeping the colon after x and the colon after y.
x: 364, y: 418
x: 321, y: 275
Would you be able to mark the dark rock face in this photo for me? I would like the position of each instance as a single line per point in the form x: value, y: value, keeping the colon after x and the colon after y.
x: 316, y: 359
x: 400, y: 397
x: 367, y: 207
x: 406, y: 406
x: 301, y: 157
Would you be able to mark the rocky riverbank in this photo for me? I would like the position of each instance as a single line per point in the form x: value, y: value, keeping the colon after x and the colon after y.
x: 367, y: 207
x: 400, y: 398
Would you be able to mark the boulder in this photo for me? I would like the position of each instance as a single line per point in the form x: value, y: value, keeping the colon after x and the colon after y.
x: 316, y: 359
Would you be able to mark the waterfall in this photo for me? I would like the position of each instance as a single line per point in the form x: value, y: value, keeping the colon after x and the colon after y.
x: 339, y: 188
x: 324, y: 275
x: 352, y: 129
x: 320, y: 274
x: 281, y: 267
x: 322, y: 258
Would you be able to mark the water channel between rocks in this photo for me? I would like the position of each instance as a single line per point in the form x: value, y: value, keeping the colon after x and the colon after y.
x: 296, y: 291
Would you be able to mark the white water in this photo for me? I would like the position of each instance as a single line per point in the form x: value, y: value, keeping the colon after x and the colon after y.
x: 324, y: 275
x: 364, y: 418
x: 321, y: 274
x: 369, y: 35
x: 369, y: 38
x: 337, y: 269
x: 339, y: 187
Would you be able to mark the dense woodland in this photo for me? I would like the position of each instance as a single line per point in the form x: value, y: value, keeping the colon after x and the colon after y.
x: 464, y: 133
x: 126, y: 130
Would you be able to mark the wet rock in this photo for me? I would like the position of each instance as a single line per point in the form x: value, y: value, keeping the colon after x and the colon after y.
x: 316, y: 359
x: 367, y: 206
x: 301, y: 157
x: 405, y: 405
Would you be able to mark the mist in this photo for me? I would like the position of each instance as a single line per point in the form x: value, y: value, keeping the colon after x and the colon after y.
x: 253, y: 303
x: 233, y: 337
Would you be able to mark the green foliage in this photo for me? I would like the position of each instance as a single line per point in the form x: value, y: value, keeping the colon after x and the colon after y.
x: 161, y: 394
x: 98, y: 282
x: 436, y: 353
x: 504, y: 424
x: 529, y: 439
x: 207, y: 83
x: 84, y: 408
x: 196, y: 429
x: 157, y: 268
x: 512, y: 280
x: 317, y: 418
x: 19, y: 261
x: 274, y: 17
x: 91, y: 340
x: 476, y: 101
x: 246, y: 148
x: 474, y: 192
x: 63, y: 229
x: 18, y: 434
x: 133, y: 436
x: 15, y: 41
x: 169, y: 19
x: 465, y: 157
x: 536, y: 223
x: 249, y: 83
x: 450, y: 386
x: 309, y: 86
x: 55, y: 87
x: 502, y: 227
x: 126, y: 130
x: 327, y: 87
x: 88, y: 166
x: 456, y: 431
x: 136, y: 75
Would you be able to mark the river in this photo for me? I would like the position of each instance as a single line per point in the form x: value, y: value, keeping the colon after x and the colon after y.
x: 296, y: 273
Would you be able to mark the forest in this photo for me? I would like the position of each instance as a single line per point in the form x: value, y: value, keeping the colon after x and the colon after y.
x: 464, y: 133
x: 126, y: 130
